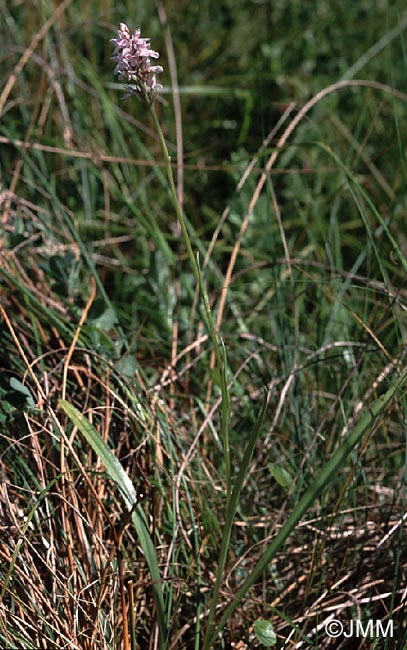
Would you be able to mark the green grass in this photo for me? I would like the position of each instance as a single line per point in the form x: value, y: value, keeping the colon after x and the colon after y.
x: 188, y: 453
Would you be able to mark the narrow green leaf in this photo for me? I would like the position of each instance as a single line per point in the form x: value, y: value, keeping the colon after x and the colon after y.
x: 123, y: 482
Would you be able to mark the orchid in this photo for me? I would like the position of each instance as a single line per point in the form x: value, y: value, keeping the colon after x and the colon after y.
x: 133, y: 57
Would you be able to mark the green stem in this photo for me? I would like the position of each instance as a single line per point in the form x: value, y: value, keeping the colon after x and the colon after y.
x: 185, y: 235
x: 221, y: 363
x: 220, y: 355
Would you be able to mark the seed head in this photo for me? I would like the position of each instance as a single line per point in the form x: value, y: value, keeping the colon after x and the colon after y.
x: 132, y: 55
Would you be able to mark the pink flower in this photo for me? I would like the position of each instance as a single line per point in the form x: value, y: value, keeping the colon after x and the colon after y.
x: 132, y: 55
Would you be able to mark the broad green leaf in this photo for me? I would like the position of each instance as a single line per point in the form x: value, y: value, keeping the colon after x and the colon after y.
x: 18, y: 386
x: 265, y: 632
x: 127, y: 365
x: 107, y: 320
x: 21, y: 389
x: 281, y: 475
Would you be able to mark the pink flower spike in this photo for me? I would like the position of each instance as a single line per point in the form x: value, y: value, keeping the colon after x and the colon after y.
x: 132, y: 55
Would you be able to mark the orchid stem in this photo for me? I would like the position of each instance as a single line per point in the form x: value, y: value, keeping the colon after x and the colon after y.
x: 220, y: 353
